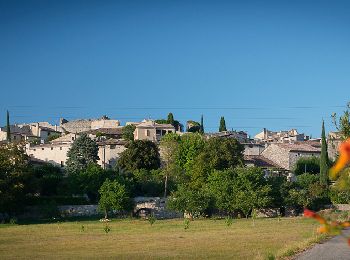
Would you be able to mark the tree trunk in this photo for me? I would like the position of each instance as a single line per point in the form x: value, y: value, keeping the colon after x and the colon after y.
x: 106, y: 214
x: 166, y: 185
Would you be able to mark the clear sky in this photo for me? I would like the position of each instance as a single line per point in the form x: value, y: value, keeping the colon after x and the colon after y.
x: 275, y: 64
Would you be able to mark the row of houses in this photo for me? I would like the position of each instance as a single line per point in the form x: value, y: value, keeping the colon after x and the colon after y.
x: 275, y: 152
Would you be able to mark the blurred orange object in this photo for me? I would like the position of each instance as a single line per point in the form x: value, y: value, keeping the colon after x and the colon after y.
x: 343, y: 160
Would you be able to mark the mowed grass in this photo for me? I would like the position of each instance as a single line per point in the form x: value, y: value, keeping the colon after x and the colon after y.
x: 165, y: 239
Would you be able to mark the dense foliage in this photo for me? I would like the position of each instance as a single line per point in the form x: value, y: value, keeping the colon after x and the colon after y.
x: 84, y: 151
x: 140, y: 154
x: 128, y: 132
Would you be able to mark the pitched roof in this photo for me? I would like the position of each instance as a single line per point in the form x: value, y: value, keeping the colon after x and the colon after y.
x: 260, y: 161
x: 300, y: 147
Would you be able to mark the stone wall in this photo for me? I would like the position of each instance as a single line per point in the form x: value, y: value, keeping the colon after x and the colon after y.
x: 278, y: 155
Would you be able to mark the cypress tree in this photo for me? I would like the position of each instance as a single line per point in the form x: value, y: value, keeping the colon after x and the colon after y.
x: 8, y: 129
x: 171, y: 119
x: 324, y: 163
x: 222, y: 126
x: 201, y: 129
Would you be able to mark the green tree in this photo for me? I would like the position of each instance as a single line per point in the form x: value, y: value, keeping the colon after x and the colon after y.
x: 140, y: 154
x: 324, y: 162
x: 217, y: 154
x: 16, y: 178
x: 190, y: 146
x: 84, y: 151
x: 307, y: 165
x: 113, y: 196
x: 251, y: 190
x: 89, y: 180
x: 201, y: 129
x: 193, y: 126
x: 169, y: 146
x: 343, y: 123
x: 188, y: 200
x: 128, y: 132
x: 49, y: 178
x: 222, y: 126
x: 8, y: 129
x: 171, y: 119
x: 220, y: 186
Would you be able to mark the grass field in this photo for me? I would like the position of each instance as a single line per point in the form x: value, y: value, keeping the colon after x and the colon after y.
x: 137, y: 239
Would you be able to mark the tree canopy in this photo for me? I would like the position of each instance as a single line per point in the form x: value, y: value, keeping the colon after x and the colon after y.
x: 84, y: 151
x: 140, y: 154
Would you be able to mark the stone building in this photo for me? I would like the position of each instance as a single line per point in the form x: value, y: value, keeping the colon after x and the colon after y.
x: 240, y: 136
x: 56, y: 151
x: 288, y: 136
x: 286, y: 155
x: 152, y: 131
x: 85, y: 125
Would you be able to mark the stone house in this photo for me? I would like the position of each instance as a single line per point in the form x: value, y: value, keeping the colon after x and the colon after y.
x: 289, y: 136
x: 240, y: 136
x: 152, y: 131
x: 286, y: 155
x: 56, y: 151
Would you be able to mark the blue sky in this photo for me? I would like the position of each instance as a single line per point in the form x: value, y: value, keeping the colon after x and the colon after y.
x: 274, y: 64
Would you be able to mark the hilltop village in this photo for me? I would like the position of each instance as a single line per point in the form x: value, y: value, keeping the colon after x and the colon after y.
x: 275, y: 152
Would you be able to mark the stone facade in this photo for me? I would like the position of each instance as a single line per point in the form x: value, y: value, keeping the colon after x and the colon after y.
x: 286, y: 155
x: 56, y: 152
x: 152, y: 131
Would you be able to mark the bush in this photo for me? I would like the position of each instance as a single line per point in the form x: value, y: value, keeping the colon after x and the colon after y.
x: 49, y: 210
x: 339, y: 197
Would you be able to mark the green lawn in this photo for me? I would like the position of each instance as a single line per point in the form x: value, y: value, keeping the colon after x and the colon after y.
x: 137, y: 239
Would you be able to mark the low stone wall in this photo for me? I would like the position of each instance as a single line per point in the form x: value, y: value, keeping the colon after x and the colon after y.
x: 79, y: 210
x: 268, y: 213
x: 156, y: 206
x: 343, y: 207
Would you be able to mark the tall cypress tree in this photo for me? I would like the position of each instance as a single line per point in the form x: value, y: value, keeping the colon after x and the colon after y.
x: 8, y: 129
x: 201, y: 129
x: 171, y: 119
x: 324, y: 163
x: 222, y: 126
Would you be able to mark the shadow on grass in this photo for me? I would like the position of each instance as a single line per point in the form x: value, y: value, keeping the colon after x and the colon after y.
x: 56, y: 220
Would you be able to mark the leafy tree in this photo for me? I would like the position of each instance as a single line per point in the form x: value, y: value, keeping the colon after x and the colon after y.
x: 169, y: 146
x: 113, y: 196
x: 140, y: 154
x: 193, y: 126
x: 220, y: 186
x: 222, y: 126
x: 307, y: 192
x: 324, y: 162
x: 8, y: 130
x: 188, y: 200
x: 190, y: 146
x: 217, y: 154
x: 251, y: 190
x: 15, y: 178
x: 83, y: 152
x: 128, y: 132
x: 343, y: 124
x: 147, y: 183
x: 201, y: 129
x: 171, y: 119
x: 89, y: 180
x: 49, y: 178
x: 307, y: 165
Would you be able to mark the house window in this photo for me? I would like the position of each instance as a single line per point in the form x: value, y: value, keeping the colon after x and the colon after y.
x: 62, y: 163
x: 72, y: 138
x: 163, y: 132
x: 34, y: 150
x: 42, y: 149
x: 60, y: 148
x: 51, y: 148
x: 148, y: 133
x: 112, y: 146
x: 14, y: 137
